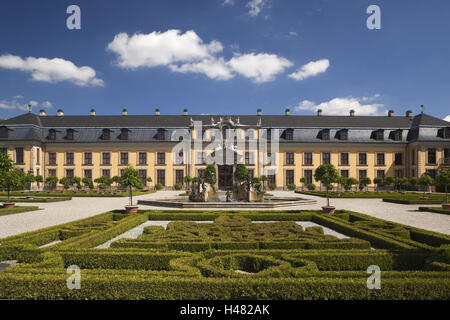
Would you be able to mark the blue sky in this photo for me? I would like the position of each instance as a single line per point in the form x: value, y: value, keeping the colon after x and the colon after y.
x: 224, y: 56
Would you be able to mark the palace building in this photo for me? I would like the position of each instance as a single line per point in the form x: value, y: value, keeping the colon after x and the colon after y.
x: 359, y: 146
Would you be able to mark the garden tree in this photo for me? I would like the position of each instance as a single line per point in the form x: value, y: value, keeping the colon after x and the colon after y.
x: 379, y: 182
x: 12, y: 179
x: 303, y: 181
x: 425, y: 181
x: 52, y: 181
x: 88, y: 182
x: 413, y: 182
x: 326, y: 174
x: 149, y: 179
x: 116, y: 180
x: 388, y: 181
x: 443, y: 179
x: 29, y: 179
x: 64, y: 182
x: 129, y: 179
x: 257, y: 183
x: 187, y: 181
x: 364, y: 182
x: 210, y: 175
x: 39, y: 179
x: 103, y: 181
x: 75, y: 181
x: 402, y: 183
x: 241, y: 172
x: 341, y: 182
x: 264, y: 179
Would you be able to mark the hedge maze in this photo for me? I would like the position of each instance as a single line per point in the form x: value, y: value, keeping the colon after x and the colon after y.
x: 232, y: 257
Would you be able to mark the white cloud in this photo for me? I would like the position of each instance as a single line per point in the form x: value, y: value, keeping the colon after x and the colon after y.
x: 161, y: 48
x: 228, y: 3
x: 255, y: 7
x: 51, y: 70
x: 260, y: 67
x: 292, y: 34
x: 213, y: 68
x: 187, y: 53
x: 16, y: 103
x: 342, y: 106
x: 311, y: 69
x: 447, y: 118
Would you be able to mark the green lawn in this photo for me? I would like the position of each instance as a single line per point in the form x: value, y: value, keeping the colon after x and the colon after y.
x: 81, y: 193
x: 35, y: 199
x: 17, y: 209
x: 395, y: 197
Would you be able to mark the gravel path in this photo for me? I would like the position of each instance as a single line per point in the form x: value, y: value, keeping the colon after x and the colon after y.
x: 78, y: 208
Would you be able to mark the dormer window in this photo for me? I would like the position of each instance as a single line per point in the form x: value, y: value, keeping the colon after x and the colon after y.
x: 378, y: 135
x: 289, y: 134
x: 124, y: 134
x: 325, y: 134
x: 4, y: 132
x: 397, y: 135
x: 52, y: 134
x: 106, y: 135
x: 343, y: 134
x: 161, y: 135
x: 70, y: 134
x: 447, y: 133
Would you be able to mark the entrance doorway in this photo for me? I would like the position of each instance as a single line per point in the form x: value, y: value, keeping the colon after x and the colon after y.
x: 225, y: 177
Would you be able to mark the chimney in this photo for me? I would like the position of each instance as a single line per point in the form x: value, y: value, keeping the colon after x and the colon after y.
x: 390, y: 113
x: 185, y: 112
x: 157, y: 112
x: 124, y: 112
x: 258, y: 112
x: 92, y: 112
x: 287, y: 112
x: 319, y: 112
x: 409, y: 113
x: 352, y: 113
x: 60, y: 112
x: 42, y: 113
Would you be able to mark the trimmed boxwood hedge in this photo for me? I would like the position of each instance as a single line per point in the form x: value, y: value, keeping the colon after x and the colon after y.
x: 17, y: 209
x: 434, y: 210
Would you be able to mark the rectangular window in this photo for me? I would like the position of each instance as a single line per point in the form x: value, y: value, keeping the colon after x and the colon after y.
x: 143, y: 175
x: 326, y: 158
x: 380, y: 174
x: 398, y: 173
x: 52, y: 172
x: 289, y: 177
x: 52, y: 158
x: 362, y: 159
x: 142, y: 158
x: 362, y: 174
x: 179, y: 176
x: 289, y: 134
x: 161, y: 177
x: 160, y: 158
x: 106, y: 173
x: 446, y: 156
x: 431, y: 156
x: 344, y: 159
x: 344, y: 173
x: 249, y: 158
x: 326, y: 134
x: 289, y: 158
x: 380, y: 159
x: 106, y: 158
x: 88, y: 158
x: 413, y: 157
x: 307, y: 158
x: 38, y: 156
x: 69, y: 158
x: 398, y: 161
x: 87, y: 173
x: 69, y: 173
x: 124, y: 158
x: 19, y: 156
x: 309, y: 176
x: 271, y: 178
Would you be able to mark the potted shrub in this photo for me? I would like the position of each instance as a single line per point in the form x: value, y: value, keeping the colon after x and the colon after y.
x: 177, y: 186
x: 311, y: 186
x: 272, y: 186
x: 292, y: 186
x: 158, y: 186
x: 443, y: 179
x: 11, y: 180
x: 129, y: 179
x: 326, y: 174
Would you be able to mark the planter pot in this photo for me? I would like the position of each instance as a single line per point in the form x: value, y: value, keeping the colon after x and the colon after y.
x: 131, y: 209
x: 329, y: 209
x: 8, y: 205
x: 446, y: 206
